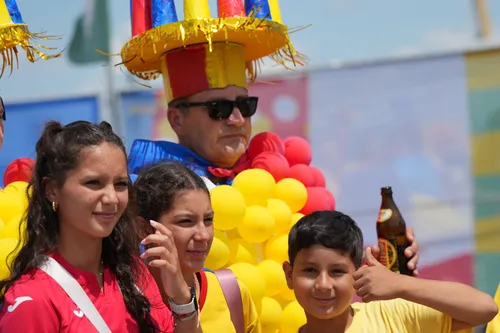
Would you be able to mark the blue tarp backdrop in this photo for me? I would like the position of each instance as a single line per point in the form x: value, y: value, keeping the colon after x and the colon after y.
x: 25, y: 123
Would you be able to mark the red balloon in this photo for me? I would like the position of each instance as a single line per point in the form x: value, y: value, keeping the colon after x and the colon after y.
x: 242, y: 164
x: 329, y: 196
x: 317, y: 200
x: 265, y: 141
x: 19, y: 170
x: 297, y: 151
x: 276, y: 164
x: 319, y: 178
x: 303, y: 174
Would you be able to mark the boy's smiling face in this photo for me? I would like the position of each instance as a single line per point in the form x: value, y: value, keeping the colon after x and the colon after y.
x: 322, y: 281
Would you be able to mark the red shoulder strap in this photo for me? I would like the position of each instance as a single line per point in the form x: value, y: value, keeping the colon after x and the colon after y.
x: 232, y: 293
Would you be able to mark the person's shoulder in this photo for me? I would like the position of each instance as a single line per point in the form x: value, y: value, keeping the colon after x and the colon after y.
x: 380, y: 309
x: 403, y: 313
x: 385, y: 306
x: 32, y: 291
x: 35, y: 282
x: 211, y: 279
x: 246, y: 296
x: 213, y: 282
x: 30, y: 305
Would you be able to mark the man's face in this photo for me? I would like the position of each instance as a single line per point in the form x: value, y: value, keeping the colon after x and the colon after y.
x: 220, y: 142
x: 2, y: 120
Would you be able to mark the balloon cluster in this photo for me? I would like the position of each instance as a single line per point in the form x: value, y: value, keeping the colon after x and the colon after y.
x: 13, y: 205
x: 275, y: 187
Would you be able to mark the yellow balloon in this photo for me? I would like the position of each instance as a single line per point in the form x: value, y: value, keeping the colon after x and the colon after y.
x: 282, y: 301
x: 19, y: 189
x: 292, y: 192
x: 256, y: 185
x: 277, y: 249
x: 287, y: 295
x: 12, y: 227
x: 295, y: 218
x: 228, y: 205
x: 222, y: 236
x: 270, y: 315
x: 257, y: 226
x: 274, y: 276
x: 2, y: 229
x: 281, y: 213
x: 218, y: 255
x: 7, y: 246
x: 242, y: 251
x: 293, y: 318
x: 251, y: 278
x: 10, y: 205
x: 232, y: 234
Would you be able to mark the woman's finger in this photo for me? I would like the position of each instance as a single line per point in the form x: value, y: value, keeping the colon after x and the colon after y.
x: 158, y: 251
x: 160, y: 240
x: 163, y: 264
x: 161, y: 228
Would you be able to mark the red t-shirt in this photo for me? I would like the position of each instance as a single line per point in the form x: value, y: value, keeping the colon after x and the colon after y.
x: 40, y: 305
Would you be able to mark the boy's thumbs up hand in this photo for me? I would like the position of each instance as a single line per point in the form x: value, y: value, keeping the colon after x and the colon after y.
x: 370, y: 260
x: 374, y: 282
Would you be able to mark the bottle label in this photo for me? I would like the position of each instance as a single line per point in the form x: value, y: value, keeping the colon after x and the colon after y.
x: 388, y: 254
x: 384, y: 215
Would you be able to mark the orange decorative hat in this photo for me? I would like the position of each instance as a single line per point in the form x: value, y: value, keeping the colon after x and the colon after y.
x: 204, y: 52
x: 14, y: 33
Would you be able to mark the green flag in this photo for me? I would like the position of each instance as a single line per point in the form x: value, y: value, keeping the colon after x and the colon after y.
x: 91, y: 33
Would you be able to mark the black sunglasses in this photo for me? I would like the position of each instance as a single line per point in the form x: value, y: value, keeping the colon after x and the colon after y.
x: 3, y: 115
x: 222, y: 109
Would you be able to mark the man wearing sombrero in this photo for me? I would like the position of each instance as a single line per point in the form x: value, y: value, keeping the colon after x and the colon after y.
x: 206, y: 64
x: 14, y: 34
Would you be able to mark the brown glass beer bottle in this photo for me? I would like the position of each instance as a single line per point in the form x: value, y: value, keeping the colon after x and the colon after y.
x: 391, y: 233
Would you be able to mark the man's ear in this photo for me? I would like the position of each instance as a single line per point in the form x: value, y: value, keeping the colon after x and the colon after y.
x: 175, y: 118
x: 288, y: 269
x: 51, y: 192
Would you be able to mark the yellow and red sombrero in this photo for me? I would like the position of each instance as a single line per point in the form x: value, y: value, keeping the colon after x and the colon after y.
x: 203, y: 52
x: 15, y: 33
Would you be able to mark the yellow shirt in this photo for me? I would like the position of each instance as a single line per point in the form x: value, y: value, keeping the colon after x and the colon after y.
x: 215, y: 316
x: 398, y: 316
x: 494, y: 325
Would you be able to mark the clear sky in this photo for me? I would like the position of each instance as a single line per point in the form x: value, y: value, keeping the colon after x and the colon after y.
x: 341, y: 30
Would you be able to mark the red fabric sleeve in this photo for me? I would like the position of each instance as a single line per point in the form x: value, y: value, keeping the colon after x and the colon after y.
x: 27, y: 310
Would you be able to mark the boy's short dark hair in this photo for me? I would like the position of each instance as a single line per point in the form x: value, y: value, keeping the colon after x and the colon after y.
x: 331, y: 229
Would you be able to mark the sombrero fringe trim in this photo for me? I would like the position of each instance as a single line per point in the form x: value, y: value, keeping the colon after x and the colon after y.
x: 18, y: 35
x: 184, y: 31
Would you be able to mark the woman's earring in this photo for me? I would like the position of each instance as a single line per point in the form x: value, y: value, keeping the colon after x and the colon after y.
x: 54, y: 206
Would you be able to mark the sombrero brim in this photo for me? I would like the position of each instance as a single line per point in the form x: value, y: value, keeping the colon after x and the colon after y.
x: 18, y: 35
x: 261, y: 38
